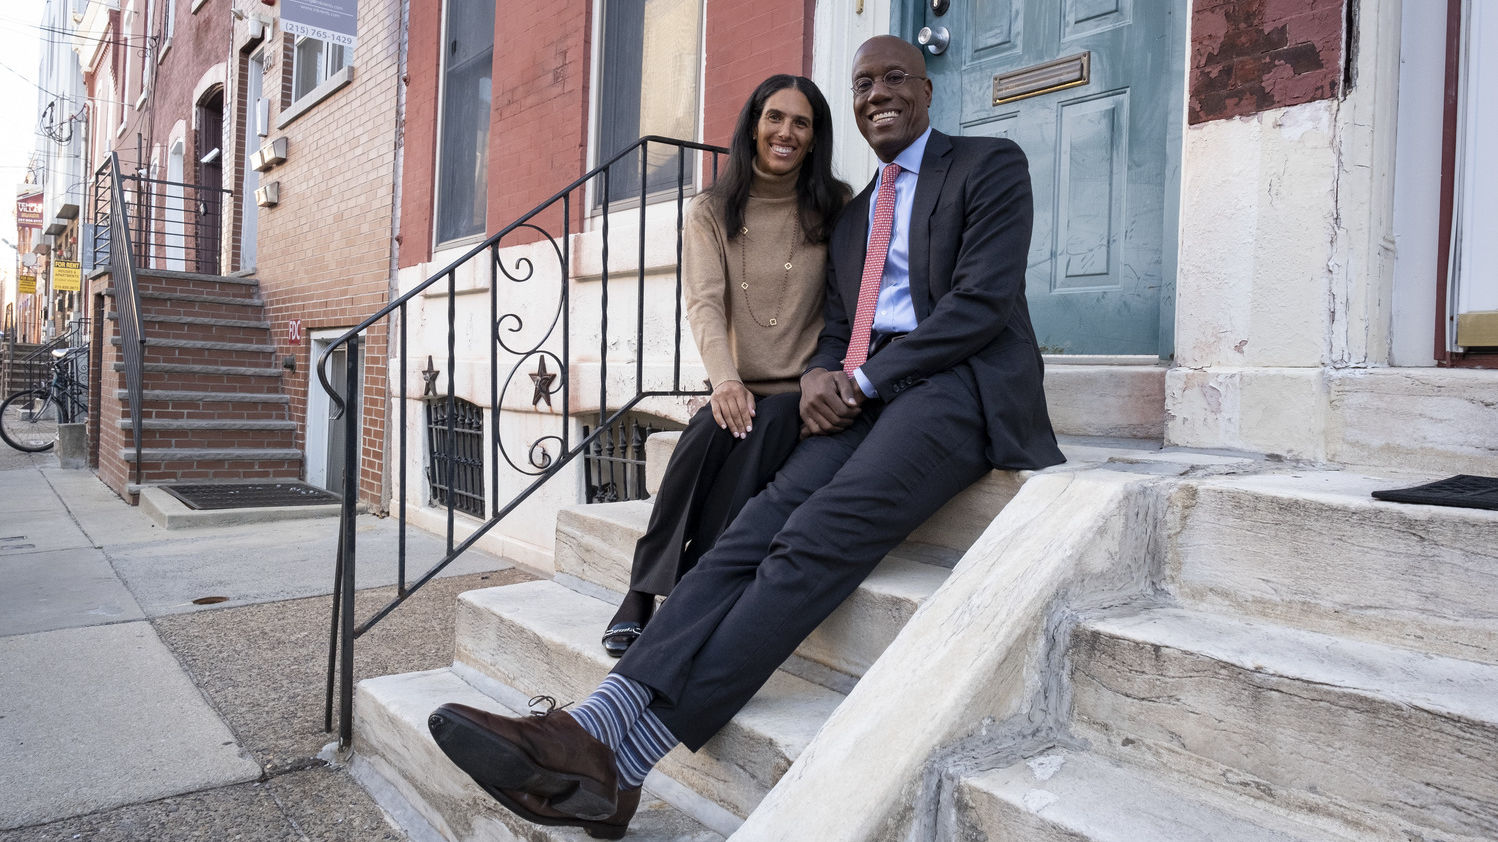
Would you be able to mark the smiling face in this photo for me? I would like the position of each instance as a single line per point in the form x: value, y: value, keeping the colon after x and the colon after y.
x: 890, y: 119
x: 783, y: 134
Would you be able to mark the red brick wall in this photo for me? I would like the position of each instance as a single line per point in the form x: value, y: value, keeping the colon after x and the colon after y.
x: 539, y: 128
x: 323, y: 253
x: 419, y: 132
x: 1252, y: 55
x: 746, y: 43
x: 199, y: 42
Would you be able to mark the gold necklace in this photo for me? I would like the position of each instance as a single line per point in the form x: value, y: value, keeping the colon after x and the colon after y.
x: 784, y: 279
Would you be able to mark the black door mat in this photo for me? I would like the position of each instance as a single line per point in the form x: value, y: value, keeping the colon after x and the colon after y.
x: 1462, y: 490
x: 240, y: 495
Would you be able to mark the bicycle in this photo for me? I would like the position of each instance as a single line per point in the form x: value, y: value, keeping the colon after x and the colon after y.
x: 29, y: 418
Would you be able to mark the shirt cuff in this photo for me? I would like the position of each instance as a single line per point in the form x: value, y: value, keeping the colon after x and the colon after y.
x: 864, y: 384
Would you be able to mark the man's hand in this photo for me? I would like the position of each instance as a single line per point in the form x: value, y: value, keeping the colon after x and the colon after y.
x: 733, y: 407
x: 829, y: 401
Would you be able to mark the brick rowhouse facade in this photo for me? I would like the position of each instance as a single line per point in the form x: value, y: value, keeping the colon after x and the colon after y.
x: 323, y: 252
x: 538, y: 136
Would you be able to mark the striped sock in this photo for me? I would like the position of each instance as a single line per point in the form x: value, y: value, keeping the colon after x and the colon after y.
x: 643, y: 747
x: 611, y: 711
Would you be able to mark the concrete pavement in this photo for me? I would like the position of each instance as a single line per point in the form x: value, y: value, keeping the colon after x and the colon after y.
x: 128, y: 711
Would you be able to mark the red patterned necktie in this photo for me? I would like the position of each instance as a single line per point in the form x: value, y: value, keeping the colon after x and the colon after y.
x: 873, y: 270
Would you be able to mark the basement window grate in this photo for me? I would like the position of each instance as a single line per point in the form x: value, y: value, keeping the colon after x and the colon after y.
x: 455, y: 463
x: 614, y: 463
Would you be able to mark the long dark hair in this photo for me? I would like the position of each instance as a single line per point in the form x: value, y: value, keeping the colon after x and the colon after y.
x: 819, y: 194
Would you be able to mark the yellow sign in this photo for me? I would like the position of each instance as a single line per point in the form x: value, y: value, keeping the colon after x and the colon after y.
x: 25, y: 284
x: 66, y: 276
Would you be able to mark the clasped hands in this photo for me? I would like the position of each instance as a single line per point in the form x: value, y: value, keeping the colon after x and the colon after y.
x: 830, y: 400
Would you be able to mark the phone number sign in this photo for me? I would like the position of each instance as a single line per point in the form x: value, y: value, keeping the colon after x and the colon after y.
x: 334, y: 21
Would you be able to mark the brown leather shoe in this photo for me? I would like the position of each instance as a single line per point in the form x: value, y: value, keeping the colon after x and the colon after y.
x: 546, y: 754
x: 537, y: 810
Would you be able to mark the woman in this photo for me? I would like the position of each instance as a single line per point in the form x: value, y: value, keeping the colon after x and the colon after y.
x: 753, y: 264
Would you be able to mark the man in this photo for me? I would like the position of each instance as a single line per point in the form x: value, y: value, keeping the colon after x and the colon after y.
x: 926, y: 375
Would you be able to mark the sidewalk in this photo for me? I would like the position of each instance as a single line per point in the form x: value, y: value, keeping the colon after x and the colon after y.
x: 129, y: 712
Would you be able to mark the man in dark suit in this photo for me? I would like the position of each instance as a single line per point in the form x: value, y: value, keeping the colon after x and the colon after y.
x: 926, y: 375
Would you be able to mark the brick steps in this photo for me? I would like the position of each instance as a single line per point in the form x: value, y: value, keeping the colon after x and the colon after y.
x: 215, y: 433
x: 213, y: 406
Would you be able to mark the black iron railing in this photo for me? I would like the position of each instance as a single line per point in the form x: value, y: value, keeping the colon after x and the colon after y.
x: 510, y: 313
x: 126, y: 299
x: 172, y: 225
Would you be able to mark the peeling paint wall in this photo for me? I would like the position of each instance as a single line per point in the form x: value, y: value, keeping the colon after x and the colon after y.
x: 1248, y: 56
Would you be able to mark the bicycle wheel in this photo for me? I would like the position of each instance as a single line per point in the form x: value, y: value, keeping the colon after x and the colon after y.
x: 28, y: 421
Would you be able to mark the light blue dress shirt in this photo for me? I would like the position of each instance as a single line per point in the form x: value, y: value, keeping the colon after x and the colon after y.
x: 895, y: 312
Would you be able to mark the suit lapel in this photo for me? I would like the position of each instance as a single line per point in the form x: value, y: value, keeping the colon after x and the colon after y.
x: 934, y: 166
x: 852, y: 250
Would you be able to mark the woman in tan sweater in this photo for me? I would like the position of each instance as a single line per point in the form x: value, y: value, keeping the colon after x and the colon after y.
x: 753, y: 265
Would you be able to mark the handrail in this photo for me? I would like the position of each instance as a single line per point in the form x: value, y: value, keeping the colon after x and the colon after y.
x: 127, y: 303
x: 546, y: 455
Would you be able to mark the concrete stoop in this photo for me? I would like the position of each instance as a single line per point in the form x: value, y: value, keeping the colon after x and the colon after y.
x: 543, y: 637
x: 1298, y: 684
x: 396, y: 754
x: 1242, y: 651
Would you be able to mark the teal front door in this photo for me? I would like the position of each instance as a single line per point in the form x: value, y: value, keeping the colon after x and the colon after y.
x: 1090, y: 89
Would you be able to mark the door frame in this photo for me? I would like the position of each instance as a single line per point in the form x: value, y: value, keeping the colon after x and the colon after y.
x: 1445, y: 331
x: 905, y: 20
x: 319, y: 405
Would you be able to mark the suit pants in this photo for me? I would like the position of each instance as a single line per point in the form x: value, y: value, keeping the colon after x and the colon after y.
x: 710, y: 477
x: 796, y: 551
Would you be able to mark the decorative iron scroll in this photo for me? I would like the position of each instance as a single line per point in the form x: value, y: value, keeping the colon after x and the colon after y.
x: 538, y: 453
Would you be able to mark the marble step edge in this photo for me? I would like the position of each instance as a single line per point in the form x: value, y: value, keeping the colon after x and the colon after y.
x: 1074, y: 796
x: 1371, y: 737
x: 396, y: 759
x: 595, y: 546
x: 1313, y: 549
x: 542, y: 638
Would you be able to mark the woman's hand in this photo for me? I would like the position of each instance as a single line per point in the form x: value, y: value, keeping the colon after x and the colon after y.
x: 733, y: 407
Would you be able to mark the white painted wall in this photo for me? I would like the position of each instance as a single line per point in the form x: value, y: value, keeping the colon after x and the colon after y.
x: 840, y: 27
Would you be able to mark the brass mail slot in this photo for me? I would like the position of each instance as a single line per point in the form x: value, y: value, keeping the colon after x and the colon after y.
x: 1477, y: 330
x: 1044, y: 78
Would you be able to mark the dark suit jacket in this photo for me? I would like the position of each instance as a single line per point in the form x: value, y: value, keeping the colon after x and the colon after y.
x: 969, y: 243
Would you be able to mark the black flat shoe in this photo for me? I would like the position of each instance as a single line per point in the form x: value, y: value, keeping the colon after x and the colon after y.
x: 617, y: 639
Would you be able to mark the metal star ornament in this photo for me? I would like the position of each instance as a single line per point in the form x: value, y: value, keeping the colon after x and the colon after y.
x: 429, y: 374
x: 543, y: 380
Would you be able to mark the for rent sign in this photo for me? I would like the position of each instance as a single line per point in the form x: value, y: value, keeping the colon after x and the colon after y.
x: 335, y: 21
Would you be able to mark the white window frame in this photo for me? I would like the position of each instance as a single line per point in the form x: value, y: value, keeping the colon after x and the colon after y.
x: 596, y: 152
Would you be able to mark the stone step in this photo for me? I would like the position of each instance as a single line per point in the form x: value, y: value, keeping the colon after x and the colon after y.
x: 180, y: 404
x: 207, y: 352
x: 208, y: 377
x: 1314, y: 550
x: 595, y: 543
x: 215, y: 433
x: 391, y: 741
x: 1071, y: 796
x: 1375, y: 736
x: 542, y: 638
x: 205, y: 328
x: 164, y: 282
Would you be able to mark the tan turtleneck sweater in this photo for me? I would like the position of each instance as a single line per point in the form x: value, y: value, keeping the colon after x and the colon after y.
x: 732, y: 324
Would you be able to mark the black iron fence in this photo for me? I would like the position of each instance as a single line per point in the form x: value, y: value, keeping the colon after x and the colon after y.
x: 122, y: 279
x: 172, y: 225
x: 614, y: 463
x: 530, y: 326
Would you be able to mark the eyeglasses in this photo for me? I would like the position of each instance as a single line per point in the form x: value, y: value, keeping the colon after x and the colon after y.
x: 893, y: 79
